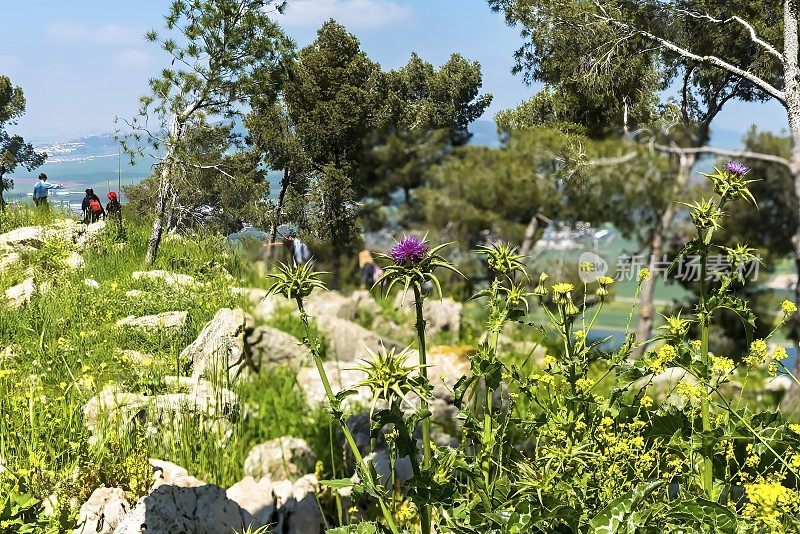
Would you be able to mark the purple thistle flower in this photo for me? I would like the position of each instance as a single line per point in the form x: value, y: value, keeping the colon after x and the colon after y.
x: 736, y: 167
x: 409, y: 251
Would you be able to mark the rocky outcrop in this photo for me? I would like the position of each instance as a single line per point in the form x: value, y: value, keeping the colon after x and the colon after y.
x: 172, y: 475
x: 342, y: 377
x: 288, y: 507
x: 171, y: 509
x: 180, y: 503
x: 89, y: 234
x: 215, y: 407
x: 172, y: 320
x: 349, y: 339
x: 269, y: 346
x: 102, y: 512
x: 30, y: 236
x: 168, y: 278
x: 280, y: 459
x: 441, y: 315
x: 219, y: 349
x: 21, y: 294
x: 8, y: 258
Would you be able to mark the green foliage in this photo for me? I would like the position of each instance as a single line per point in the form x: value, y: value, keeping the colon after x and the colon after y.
x: 587, y: 442
x: 14, y: 151
x: 344, y: 131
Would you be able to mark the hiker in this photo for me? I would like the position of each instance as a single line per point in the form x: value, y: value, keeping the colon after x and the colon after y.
x: 42, y: 189
x: 114, y: 208
x: 91, y: 207
x: 299, y: 251
x: 369, y: 270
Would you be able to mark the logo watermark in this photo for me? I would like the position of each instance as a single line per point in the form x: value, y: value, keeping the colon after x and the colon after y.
x: 685, y: 268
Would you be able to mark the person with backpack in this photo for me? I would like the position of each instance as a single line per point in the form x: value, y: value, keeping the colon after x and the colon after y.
x: 91, y: 207
x: 114, y: 208
x: 299, y: 251
x: 369, y: 270
x: 41, y: 191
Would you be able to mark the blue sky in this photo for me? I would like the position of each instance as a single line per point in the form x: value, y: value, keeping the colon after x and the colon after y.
x: 82, y: 62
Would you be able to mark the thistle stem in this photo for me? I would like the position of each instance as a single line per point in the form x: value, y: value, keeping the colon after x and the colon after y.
x: 348, y: 436
x: 425, y: 513
x: 708, y: 465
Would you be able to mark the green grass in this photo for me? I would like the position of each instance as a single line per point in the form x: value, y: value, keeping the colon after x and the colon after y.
x: 67, y: 349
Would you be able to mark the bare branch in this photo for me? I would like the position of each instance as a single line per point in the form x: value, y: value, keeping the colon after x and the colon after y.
x: 608, y: 162
x: 735, y: 18
x: 709, y: 60
x: 743, y: 154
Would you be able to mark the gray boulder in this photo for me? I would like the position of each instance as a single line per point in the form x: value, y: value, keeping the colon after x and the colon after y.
x: 267, y: 346
x: 102, y: 512
x: 287, y: 507
x: 349, y: 340
x: 170, y: 509
x: 441, y: 315
x: 74, y: 261
x: 21, y: 294
x: 280, y: 459
x: 220, y: 346
x: 341, y: 378
x: 31, y: 236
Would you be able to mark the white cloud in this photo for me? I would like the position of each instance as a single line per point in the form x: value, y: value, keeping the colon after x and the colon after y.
x: 351, y: 13
x: 131, y: 57
x: 108, y: 34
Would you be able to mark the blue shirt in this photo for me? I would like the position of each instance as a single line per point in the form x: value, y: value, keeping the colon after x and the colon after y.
x: 42, y: 187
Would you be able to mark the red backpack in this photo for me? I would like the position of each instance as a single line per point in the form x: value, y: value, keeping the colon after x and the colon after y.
x: 95, y: 206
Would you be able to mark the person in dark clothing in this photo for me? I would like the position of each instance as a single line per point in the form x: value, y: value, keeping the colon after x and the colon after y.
x: 114, y: 208
x: 92, y: 207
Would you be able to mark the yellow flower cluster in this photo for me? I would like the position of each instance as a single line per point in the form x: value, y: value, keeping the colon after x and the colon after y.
x: 545, y: 378
x: 788, y: 307
x: 689, y: 391
x: 549, y: 360
x: 662, y: 357
x: 584, y: 384
x: 721, y: 364
x: 768, y: 503
x: 621, y: 453
x: 758, y: 354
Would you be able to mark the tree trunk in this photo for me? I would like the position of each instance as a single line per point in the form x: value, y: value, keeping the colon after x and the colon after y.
x: 792, y: 91
x: 530, y: 233
x: 158, y: 223
x: 273, y: 235
x: 644, y: 326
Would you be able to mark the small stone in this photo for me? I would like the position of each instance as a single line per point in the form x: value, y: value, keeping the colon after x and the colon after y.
x: 170, y: 279
x: 174, y: 320
x: 94, y: 284
x: 75, y: 261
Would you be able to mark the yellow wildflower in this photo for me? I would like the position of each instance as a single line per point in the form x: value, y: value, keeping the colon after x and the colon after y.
x: 646, y: 402
x: 644, y: 274
x: 584, y: 384
x: 549, y: 360
x: 722, y: 365
x: 787, y: 307
x: 768, y: 503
